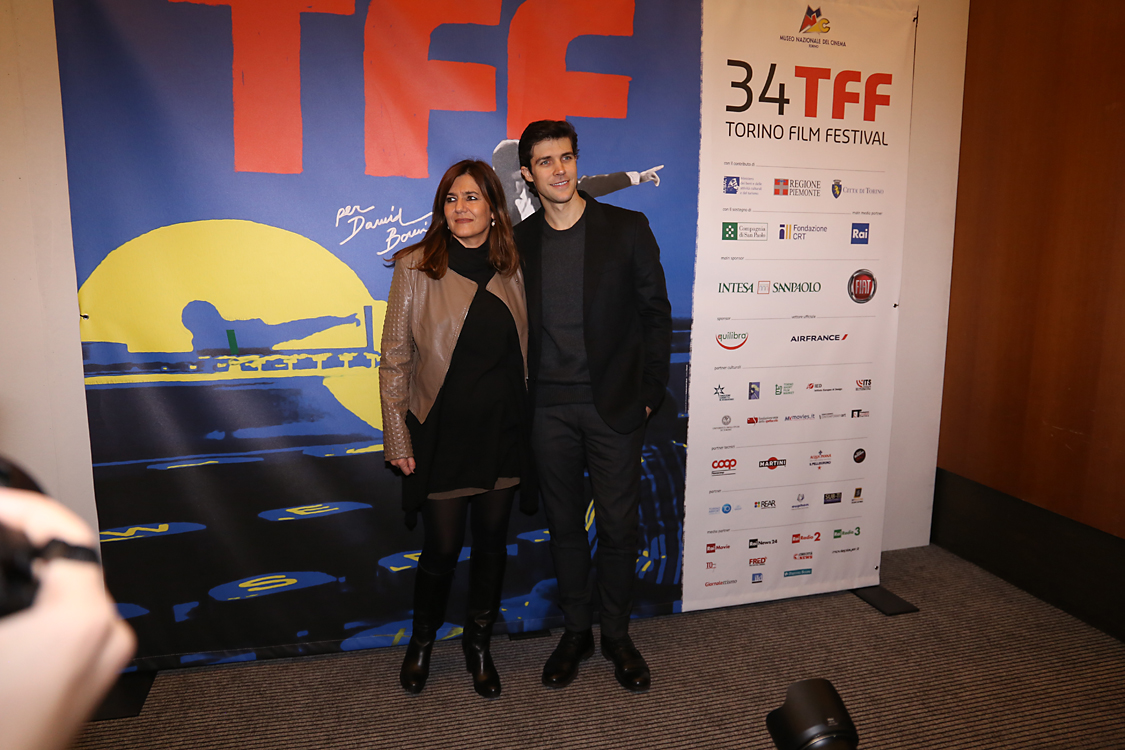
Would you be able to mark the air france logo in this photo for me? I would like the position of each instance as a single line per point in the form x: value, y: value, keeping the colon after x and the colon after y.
x: 814, y: 22
x: 860, y: 233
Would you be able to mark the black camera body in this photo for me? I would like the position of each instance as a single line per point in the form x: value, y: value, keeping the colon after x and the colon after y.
x: 18, y: 584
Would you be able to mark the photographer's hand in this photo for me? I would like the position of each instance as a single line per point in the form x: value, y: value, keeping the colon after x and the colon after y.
x: 60, y: 656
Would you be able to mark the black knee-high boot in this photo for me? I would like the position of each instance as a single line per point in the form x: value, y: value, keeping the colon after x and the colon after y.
x: 431, y: 592
x: 486, y: 575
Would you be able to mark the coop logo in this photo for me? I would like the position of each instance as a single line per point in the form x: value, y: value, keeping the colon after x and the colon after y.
x: 721, y: 583
x: 860, y: 233
x: 802, y: 556
x: 757, y: 562
x: 801, y: 572
x: 819, y: 337
x: 858, y: 413
x: 741, y: 186
x: 814, y: 23
x: 863, y: 384
x: 755, y: 543
x: 755, y: 390
x: 745, y: 231
x: 755, y: 578
x: 845, y: 532
x: 765, y: 504
x: 800, y: 502
x: 723, y: 467
x: 716, y: 547
x: 722, y: 395
x: 760, y: 420
x: 838, y: 189
x: 143, y: 531
x: 820, y: 459
x: 770, y: 463
x: 798, y: 232
x: 732, y: 339
x: 859, y: 455
x: 797, y: 188
x: 861, y: 286
x: 832, y: 497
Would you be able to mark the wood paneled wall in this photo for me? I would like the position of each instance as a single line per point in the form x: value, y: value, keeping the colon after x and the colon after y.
x: 1034, y: 398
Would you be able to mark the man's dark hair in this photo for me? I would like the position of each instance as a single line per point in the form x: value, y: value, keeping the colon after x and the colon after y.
x: 545, y: 130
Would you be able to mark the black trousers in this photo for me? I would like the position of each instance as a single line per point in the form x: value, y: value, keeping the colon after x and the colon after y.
x: 568, y: 440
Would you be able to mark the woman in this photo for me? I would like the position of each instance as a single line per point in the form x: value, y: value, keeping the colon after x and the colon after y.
x: 453, y: 385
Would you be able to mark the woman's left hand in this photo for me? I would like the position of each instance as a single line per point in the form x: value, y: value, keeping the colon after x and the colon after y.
x: 405, y: 465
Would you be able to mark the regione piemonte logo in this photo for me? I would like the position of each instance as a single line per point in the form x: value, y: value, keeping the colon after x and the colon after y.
x: 861, y: 286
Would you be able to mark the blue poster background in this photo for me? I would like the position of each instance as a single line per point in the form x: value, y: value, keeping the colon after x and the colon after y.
x: 245, y: 507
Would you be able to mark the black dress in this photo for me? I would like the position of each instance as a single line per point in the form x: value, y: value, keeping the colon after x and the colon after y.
x: 474, y: 433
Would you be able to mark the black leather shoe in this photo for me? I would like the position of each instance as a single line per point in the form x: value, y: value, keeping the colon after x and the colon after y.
x: 562, y: 666
x: 629, y: 666
x: 430, y: 594
x: 478, y: 660
x: 416, y: 665
x: 486, y: 575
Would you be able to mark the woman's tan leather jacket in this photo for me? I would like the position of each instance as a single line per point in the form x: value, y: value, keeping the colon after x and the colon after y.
x: 424, y: 319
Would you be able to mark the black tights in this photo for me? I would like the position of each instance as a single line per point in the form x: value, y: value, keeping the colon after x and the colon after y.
x: 443, y: 523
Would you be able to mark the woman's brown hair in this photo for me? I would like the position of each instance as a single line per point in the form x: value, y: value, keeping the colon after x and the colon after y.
x: 434, y: 246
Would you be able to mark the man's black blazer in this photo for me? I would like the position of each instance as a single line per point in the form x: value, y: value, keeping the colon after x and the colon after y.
x: 626, y: 316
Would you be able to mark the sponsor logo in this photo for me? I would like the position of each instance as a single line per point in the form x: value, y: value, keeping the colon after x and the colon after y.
x: 860, y: 233
x: 845, y: 532
x: 863, y: 384
x: 755, y: 578
x: 797, y: 188
x: 800, y: 417
x: 814, y: 23
x: 755, y: 543
x: 711, y: 566
x: 721, y: 395
x: 734, y: 340
x: 861, y: 286
x: 846, y: 549
x: 783, y: 389
x: 838, y: 189
x: 801, y: 572
x: 721, y: 583
x: 813, y: 537
x: 859, y: 455
x: 733, y: 185
x: 858, y: 493
x: 770, y: 463
x: 800, y: 501
x: 788, y: 287
x: 755, y: 390
x: 735, y: 287
x: 726, y: 508
x: 760, y: 420
x: 820, y: 459
x: 799, y: 231
x: 831, y: 415
x: 821, y: 388
x: 832, y: 497
x: 745, y: 231
x: 764, y: 504
x: 757, y: 562
x: 822, y: 337
x: 857, y: 413
x: 723, y: 467
x: 802, y: 556
x: 711, y: 547
x: 726, y: 420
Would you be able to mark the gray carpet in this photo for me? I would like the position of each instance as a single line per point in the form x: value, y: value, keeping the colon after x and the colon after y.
x: 983, y: 665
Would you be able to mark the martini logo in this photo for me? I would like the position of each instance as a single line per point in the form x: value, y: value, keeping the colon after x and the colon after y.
x: 819, y: 337
x: 814, y: 23
x: 845, y: 532
x: 861, y: 286
x: 798, y: 231
x: 859, y: 455
x: 723, y: 467
x: 820, y: 459
x: 745, y: 231
x: 860, y: 233
x: 832, y: 497
x: 310, y: 511
x: 275, y: 583
x: 797, y: 188
x: 731, y: 340
x: 144, y: 531
x: 863, y: 384
x: 722, y: 395
x: 755, y: 390
x: 770, y: 463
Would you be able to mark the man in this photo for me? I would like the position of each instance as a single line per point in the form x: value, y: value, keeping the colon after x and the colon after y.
x: 600, y: 330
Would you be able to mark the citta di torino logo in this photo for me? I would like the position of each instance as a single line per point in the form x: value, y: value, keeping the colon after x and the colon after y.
x: 723, y: 467
x: 735, y: 340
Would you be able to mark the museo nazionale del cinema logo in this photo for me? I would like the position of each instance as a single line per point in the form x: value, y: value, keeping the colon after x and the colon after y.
x: 814, y: 22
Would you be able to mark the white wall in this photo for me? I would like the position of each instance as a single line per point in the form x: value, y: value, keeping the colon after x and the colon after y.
x: 42, y: 405
x: 931, y: 199
x: 42, y: 402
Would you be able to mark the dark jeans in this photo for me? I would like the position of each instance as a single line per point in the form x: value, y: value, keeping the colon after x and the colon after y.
x: 569, y: 439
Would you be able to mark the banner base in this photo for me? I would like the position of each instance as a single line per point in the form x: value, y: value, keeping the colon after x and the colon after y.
x: 884, y: 601
x: 127, y: 696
